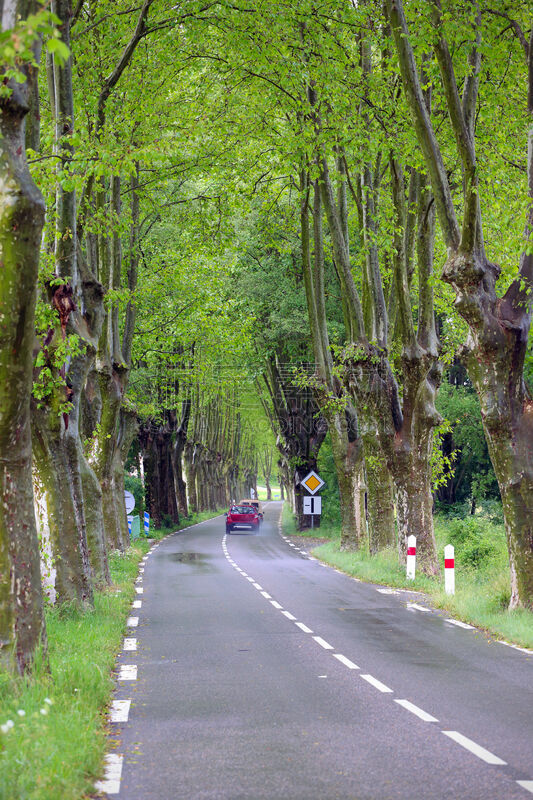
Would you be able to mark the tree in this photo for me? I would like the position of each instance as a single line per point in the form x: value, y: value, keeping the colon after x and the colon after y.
x: 498, y: 326
x: 22, y: 628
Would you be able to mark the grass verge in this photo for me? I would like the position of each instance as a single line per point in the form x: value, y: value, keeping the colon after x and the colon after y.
x: 482, y: 574
x: 53, y: 723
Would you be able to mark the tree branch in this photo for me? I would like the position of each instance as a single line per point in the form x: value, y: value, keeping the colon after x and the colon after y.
x: 462, y: 124
x: 423, y: 126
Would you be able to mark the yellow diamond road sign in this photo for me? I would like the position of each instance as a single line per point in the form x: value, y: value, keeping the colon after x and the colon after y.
x: 312, y: 482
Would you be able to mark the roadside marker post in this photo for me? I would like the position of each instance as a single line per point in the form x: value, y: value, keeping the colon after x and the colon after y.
x: 129, y: 526
x: 449, y: 569
x: 146, y: 523
x: 411, y: 558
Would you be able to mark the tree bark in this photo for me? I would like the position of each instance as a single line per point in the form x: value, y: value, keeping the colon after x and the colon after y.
x: 380, y: 496
x: 54, y: 476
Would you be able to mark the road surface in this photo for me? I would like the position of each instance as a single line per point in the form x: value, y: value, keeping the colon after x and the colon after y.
x: 260, y: 674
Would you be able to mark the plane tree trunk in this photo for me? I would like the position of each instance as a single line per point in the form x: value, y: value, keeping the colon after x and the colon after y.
x: 22, y: 627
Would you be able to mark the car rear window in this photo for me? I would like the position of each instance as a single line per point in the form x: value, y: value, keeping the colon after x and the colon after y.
x: 242, y: 510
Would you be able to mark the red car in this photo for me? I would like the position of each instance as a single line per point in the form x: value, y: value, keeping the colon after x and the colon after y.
x: 242, y: 518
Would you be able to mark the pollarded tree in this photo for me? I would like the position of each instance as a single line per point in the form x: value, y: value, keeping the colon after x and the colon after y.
x: 498, y: 326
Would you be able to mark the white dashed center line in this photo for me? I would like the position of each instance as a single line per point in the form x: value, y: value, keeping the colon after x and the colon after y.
x: 417, y: 711
x: 289, y: 615
x: 476, y: 749
x: 345, y: 661
x: 323, y: 643
x: 527, y: 785
x: 376, y: 684
x: 303, y: 627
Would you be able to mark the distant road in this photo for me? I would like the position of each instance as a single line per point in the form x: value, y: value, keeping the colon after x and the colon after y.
x: 263, y: 675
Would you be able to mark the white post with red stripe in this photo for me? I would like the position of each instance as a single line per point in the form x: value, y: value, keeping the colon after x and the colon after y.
x: 449, y: 569
x: 411, y: 558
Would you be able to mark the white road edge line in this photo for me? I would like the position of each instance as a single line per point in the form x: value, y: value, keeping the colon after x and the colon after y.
x: 139, y: 590
x: 345, y: 661
x: 416, y: 607
x: 113, y: 772
x: 120, y: 710
x: 132, y: 622
x: 128, y: 672
x: 289, y: 615
x: 129, y: 644
x: 423, y: 715
x: 527, y: 785
x: 473, y: 747
x: 460, y: 624
x: 322, y: 642
x: 516, y: 647
x: 303, y: 627
x: 276, y: 604
x: 266, y: 595
x: 376, y: 684
x: 257, y: 586
x: 137, y: 604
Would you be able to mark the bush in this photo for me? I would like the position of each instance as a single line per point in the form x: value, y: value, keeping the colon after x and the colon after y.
x: 493, y: 510
x: 453, y: 510
x: 476, y: 540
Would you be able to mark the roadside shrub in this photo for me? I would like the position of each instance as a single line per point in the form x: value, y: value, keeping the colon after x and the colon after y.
x: 476, y: 540
x: 452, y: 510
x: 492, y: 510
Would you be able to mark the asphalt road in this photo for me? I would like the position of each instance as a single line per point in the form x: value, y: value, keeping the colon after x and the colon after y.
x: 263, y: 675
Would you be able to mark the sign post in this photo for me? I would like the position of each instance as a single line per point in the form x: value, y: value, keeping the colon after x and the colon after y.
x: 312, y: 505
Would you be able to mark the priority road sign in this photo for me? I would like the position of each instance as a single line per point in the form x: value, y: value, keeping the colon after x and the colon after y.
x: 312, y: 482
x: 312, y: 505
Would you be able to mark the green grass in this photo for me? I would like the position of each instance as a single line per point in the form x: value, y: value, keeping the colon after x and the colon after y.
x: 326, y: 530
x: 482, y: 574
x: 55, y: 746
